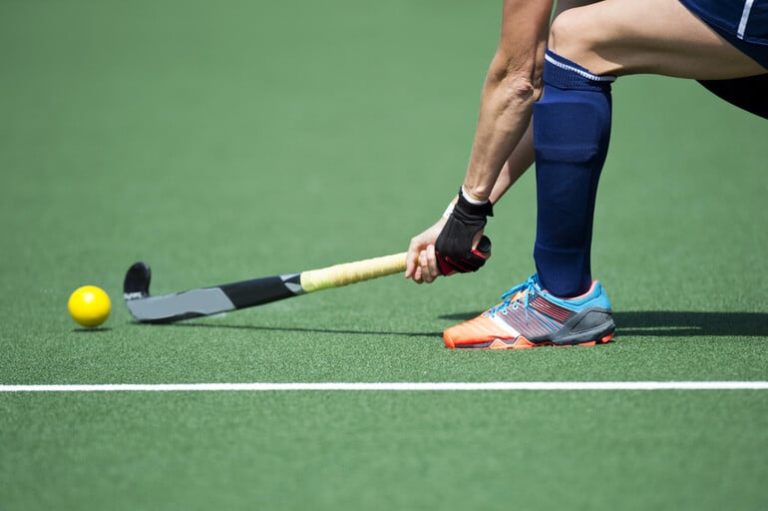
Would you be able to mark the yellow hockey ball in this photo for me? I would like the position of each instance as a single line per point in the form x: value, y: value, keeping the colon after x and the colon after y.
x: 89, y: 306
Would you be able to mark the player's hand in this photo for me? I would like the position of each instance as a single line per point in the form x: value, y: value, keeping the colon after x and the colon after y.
x: 424, y: 264
x: 421, y: 262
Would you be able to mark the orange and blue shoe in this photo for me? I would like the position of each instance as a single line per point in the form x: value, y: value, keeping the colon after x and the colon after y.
x: 529, y: 316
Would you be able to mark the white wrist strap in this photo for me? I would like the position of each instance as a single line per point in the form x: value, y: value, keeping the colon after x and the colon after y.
x: 470, y: 199
x: 449, y: 209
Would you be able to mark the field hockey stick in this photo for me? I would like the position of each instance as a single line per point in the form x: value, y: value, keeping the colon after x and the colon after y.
x: 207, y: 301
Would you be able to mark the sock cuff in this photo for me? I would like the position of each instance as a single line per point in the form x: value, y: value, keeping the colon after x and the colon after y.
x: 564, y: 74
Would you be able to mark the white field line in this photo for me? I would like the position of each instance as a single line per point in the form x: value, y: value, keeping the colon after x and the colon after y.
x: 396, y: 386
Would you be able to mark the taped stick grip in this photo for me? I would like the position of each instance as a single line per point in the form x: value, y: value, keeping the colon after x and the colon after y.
x: 349, y: 273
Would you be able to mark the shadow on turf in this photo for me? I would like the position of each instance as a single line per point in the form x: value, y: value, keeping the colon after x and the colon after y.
x: 677, y: 323
x: 309, y: 330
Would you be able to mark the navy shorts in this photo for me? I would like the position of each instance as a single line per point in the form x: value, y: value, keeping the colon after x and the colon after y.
x: 743, y: 23
x: 746, y: 93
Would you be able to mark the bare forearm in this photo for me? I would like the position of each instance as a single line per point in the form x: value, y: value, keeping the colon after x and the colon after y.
x: 504, y: 116
x: 519, y: 161
x: 511, y: 86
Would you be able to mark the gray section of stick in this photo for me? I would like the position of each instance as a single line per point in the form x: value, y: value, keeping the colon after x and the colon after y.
x: 203, y: 302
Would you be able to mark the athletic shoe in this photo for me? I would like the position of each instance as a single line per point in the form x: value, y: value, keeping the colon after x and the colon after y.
x: 529, y: 316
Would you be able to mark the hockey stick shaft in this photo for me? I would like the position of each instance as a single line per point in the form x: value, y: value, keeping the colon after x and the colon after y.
x: 351, y: 273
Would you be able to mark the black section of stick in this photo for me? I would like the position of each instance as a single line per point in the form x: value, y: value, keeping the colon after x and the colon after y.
x: 249, y: 293
x: 137, y: 279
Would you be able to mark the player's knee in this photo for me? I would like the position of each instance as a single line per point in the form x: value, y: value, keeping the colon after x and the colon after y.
x: 569, y: 36
x: 581, y: 39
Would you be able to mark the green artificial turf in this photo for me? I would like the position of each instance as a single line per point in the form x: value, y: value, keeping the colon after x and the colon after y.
x: 674, y: 450
x: 222, y: 141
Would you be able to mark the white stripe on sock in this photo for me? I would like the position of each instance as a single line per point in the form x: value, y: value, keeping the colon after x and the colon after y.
x: 580, y: 72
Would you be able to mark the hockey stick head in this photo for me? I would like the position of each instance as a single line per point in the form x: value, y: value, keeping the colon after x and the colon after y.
x: 136, y: 283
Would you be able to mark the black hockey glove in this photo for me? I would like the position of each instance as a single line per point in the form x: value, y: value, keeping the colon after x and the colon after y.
x: 454, y: 245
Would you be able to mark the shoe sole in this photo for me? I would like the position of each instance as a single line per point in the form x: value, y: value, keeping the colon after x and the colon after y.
x: 521, y: 343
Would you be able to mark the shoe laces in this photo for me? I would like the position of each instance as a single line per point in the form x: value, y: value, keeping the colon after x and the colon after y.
x: 528, y: 289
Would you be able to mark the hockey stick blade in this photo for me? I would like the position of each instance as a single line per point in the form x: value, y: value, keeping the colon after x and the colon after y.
x: 201, y: 302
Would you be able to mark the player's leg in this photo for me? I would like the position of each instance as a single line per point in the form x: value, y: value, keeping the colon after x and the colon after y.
x: 722, y: 44
x: 572, y: 126
x: 621, y: 37
x: 572, y: 120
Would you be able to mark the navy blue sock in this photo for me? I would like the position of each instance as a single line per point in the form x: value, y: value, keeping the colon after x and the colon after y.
x: 571, y: 130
